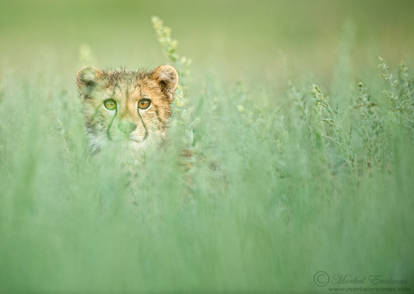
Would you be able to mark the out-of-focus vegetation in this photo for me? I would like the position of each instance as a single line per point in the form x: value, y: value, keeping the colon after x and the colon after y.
x: 269, y: 37
x: 301, y: 140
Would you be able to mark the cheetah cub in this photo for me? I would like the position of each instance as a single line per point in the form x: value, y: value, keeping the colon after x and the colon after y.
x: 126, y: 106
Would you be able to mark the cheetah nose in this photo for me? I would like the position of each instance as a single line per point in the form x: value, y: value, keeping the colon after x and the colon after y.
x: 126, y: 127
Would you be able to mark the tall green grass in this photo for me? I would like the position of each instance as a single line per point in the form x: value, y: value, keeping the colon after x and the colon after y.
x: 281, y: 184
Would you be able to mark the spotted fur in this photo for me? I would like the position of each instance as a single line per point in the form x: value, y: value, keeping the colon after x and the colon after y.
x: 127, y: 123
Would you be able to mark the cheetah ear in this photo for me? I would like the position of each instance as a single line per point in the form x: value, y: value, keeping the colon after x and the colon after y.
x: 167, y: 77
x: 87, y: 78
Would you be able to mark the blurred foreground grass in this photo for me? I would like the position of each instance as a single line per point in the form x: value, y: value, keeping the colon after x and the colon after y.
x: 287, y: 179
x: 282, y: 185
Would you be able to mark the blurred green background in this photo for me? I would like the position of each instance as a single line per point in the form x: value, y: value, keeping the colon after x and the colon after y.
x: 269, y: 37
x: 286, y: 178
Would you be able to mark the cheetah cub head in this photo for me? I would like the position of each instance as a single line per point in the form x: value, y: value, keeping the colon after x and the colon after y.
x: 132, y: 107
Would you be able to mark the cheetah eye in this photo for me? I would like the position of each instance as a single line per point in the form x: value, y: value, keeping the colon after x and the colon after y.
x: 110, y: 104
x: 144, y: 103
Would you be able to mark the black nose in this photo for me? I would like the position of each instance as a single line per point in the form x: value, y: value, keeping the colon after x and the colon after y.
x: 126, y: 127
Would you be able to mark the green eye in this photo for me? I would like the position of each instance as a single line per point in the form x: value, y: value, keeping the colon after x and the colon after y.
x: 144, y: 103
x: 110, y: 104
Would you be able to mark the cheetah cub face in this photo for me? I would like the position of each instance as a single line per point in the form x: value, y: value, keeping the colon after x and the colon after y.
x: 132, y: 107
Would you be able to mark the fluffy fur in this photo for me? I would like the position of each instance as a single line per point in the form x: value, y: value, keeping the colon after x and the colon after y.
x: 127, y: 122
